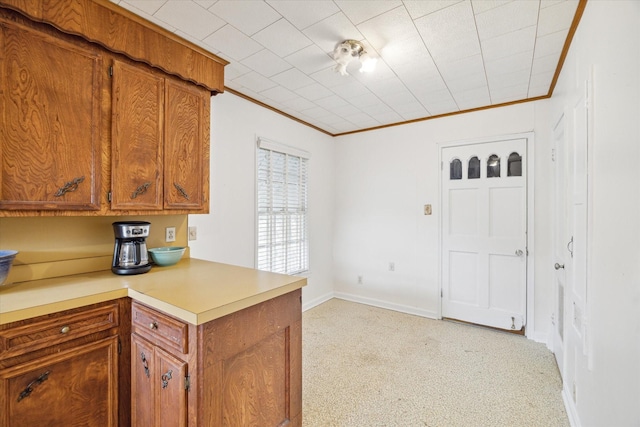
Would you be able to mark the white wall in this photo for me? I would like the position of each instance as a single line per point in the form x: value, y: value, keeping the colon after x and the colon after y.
x: 385, y: 177
x: 227, y: 234
x: 608, y: 41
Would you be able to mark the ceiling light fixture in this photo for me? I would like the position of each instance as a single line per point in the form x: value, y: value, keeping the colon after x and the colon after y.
x: 349, y: 50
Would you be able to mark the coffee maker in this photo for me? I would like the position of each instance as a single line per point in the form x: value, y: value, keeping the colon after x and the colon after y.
x: 130, y: 252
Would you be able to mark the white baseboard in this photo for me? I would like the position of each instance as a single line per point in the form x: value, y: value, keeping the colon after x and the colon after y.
x: 387, y: 305
x: 317, y: 301
x: 570, y: 407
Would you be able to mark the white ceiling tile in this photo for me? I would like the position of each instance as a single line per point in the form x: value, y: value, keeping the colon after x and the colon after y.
x: 471, y: 68
x: 235, y: 69
x: 387, y: 117
x: 331, y: 31
x: 481, y: 6
x: 303, y: 16
x: 233, y: 43
x: 350, y: 90
x: 359, y: 11
x: 299, y: 103
x: 443, y: 107
x: 316, y: 112
x: 189, y: 17
x: 133, y: 7
x: 282, y: 38
x: 540, y: 90
x: 389, y: 30
x: 509, y: 44
x: 279, y: 94
x: 556, y: 18
x: 331, y: 102
x: 205, y: 3
x: 510, y: 17
x: 314, y: 91
x: 254, y: 81
x: 364, y: 100
x: 266, y: 63
x: 473, y: 98
x: 450, y: 33
x: 362, y: 118
x: 519, y: 61
x: 550, y: 44
x: 246, y: 15
x: 147, y: 6
x: 310, y: 59
x: 420, y: 8
x: 292, y: 79
x: 387, y: 87
x: 345, y: 110
x: 545, y: 64
x: 330, y: 78
x: 541, y: 79
x: 508, y: 94
x: 514, y: 78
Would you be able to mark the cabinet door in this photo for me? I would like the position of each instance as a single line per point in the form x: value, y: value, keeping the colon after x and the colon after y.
x: 186, y: 146
x: 137, y: 138
x: 77, y: 387
x: 142, y: 384
x: 171, y: 393
x: 50, y: 154
x: 158, y: 390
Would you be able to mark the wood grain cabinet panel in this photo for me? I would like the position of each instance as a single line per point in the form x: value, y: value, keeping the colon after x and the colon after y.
x: 66, y: 369
x: 160, y: 142
x: 243, y: 369
x: 137, y: 138
x: 50, y: 149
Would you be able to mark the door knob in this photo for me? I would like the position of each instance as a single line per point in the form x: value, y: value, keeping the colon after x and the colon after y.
x: 519, y: 252
x: 558, y: 266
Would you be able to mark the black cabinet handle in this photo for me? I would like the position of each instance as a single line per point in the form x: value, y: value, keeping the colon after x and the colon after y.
x: 27, y: 391
x: 69, y: 186
x: 145, y: 364
x: 166, y: 377
x: 140, y: 190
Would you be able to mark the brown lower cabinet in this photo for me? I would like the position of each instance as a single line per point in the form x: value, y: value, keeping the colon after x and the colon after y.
x: 243, y: 369
x: 79, y: 368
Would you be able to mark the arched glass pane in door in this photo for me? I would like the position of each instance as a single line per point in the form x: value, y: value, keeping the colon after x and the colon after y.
x: 455, y: 169
x: 493, y: 166
x: 473, y: 172
x: 514, y: 166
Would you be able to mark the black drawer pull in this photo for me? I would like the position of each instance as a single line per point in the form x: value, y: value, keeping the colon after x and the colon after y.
x: 27, y: 391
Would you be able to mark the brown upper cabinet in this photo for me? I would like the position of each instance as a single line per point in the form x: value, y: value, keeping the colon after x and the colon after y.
x: 50, y: 143
x: 159, y: 141
x: 92, y: 125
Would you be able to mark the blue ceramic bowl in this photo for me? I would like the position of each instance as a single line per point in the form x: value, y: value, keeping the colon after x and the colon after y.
x: 6, y: 260
x: 167, y: 255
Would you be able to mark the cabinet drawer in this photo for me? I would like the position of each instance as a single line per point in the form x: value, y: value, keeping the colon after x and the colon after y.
x: 57, y: 329
x: 159, y: 328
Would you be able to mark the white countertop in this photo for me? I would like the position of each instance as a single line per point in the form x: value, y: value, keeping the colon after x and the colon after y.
x: 193, y: 290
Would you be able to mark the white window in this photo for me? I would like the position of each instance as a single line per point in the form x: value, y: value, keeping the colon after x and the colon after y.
x: 282, y: 230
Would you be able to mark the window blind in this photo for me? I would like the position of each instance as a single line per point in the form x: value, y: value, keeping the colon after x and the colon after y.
x: 282, y: 229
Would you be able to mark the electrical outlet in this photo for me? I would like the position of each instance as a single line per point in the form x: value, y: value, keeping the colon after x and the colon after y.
x: 193, y: 232
x: 427, y: 209
x: 170, y: 234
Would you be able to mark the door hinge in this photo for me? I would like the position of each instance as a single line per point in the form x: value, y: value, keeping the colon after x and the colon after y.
x: 441, y: 294
x: 187, y: 382
x: 119, y: 346
x: 441, y: 165
x: 110, y: 70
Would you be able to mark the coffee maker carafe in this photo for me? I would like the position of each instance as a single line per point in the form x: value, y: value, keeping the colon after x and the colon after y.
x: 130, y: 252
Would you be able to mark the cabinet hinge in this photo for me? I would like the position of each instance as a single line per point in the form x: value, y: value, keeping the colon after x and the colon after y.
x: 110, y: 70
x: 119, y: 346
x: 109, y: 196
x: 187, y: 382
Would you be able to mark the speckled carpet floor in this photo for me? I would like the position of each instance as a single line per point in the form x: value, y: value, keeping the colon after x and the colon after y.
x: 365, y: 366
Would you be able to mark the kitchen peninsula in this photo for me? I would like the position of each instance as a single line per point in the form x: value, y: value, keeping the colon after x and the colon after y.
x: 195, y: 344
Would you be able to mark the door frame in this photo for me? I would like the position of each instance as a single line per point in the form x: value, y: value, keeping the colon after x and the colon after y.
x: 530, y: 144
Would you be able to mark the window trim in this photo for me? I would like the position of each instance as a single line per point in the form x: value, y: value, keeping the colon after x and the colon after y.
x: 274, y: 146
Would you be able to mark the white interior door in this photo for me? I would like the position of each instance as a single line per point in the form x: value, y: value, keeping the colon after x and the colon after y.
x: 484, y: 240
x: 561, y: 240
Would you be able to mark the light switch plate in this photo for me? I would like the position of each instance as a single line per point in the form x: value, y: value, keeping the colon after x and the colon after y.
x: 193, y: 232
x: 427, y: 209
